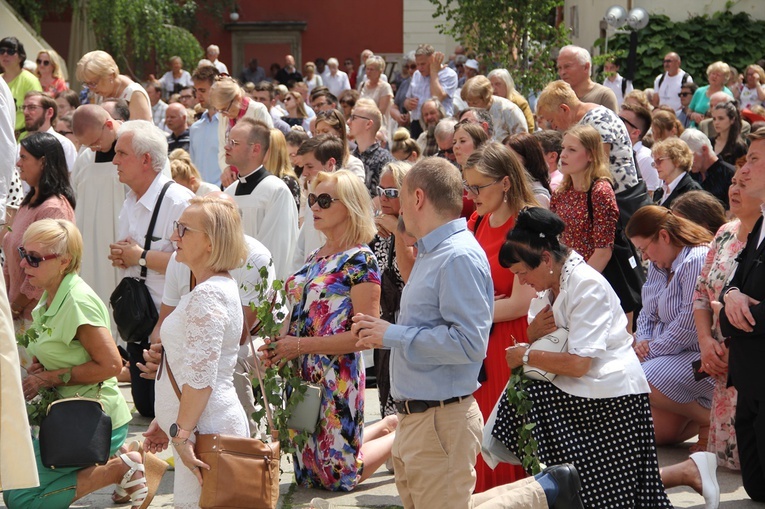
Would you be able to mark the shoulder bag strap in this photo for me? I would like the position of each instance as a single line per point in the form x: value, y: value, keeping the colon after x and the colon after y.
x: 150, y: 231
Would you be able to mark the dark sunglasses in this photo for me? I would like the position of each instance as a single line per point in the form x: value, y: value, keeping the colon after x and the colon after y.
x: 324, y: 200
x: 32, y: 260
x: 9, y: 51
x: 43, y: 62
x: 390, y: 192
x: 445, y: 152
x: 684, y: 94
x: 629, y: 123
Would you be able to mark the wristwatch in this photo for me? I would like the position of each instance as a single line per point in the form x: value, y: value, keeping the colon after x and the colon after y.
x: 178, y: 432
x: 525, y: 358
x: 142, y: 259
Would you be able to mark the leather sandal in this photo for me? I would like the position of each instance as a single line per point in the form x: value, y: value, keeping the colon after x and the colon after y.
x: 138, y: 497
x: 119, y: 495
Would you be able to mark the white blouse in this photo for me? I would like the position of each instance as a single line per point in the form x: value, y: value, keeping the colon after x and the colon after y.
x: 589, y: 308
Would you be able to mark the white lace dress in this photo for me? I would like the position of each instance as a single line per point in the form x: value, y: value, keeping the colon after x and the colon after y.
x: 201, y: 340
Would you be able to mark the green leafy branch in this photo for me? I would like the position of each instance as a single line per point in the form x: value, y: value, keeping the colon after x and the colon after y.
x: 271, y: 311
x: 518, y: 397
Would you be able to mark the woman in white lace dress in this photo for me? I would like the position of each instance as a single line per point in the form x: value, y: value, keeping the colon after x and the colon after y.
x: 201, y: 341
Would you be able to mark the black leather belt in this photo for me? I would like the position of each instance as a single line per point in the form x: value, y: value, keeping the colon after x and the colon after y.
x: 417, y: 406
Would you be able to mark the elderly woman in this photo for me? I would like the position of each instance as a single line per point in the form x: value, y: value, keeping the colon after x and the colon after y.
x: 339, y: 279
x: 673, y: 159
x: 508, y: 118
x: 591, y: 415
x: 19, y: 80
x: 201, y: 342
x: 230, y: 100
x: 376, y: 89
x: 49, y: 73
x: 75, y: 356
x: 718, y: 269
x: 504, y: 86
x: 753, y: 89
x: 98, y: 71
x: 42, y: 166
x: 728, y: 144
x: 176, y: 79
x: 496, y: 181
x: 559, y: 105
x: 395, y: 256
x: 717, y: 75
x: 666, y: 340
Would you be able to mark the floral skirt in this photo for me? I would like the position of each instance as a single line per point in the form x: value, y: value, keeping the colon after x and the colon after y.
x: 610, y: 441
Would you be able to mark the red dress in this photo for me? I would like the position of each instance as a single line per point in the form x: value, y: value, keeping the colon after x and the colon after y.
x: 497, y: 371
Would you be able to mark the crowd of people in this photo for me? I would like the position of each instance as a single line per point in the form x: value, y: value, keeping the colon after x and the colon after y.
x: 433, y: 218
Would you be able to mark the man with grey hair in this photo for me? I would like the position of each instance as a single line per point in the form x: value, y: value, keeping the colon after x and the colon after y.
x: 444, y: 134
x: 213, y: 51
x: 574, y: 67
x: 481, y: 117
x: 714, y: 174
x: 336, y: 80
x: 140, y: 156
x: 431, y: 79
x: 431, y: 114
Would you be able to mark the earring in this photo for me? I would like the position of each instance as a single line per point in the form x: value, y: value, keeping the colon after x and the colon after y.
x: 505, y: 199
x: 551, y: 271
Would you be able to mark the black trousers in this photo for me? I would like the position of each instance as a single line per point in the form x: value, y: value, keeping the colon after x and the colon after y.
x: 141, y: 388
x: 750, y: 434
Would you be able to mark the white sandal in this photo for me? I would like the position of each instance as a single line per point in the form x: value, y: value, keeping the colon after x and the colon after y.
x: 137, y: 497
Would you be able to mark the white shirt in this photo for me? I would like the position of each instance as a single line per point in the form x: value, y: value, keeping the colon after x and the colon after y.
x: 270, y: 215
x: 70, y: 151
x: 337, y: 83
x: 220, y: 66
x: 7, y: 144
x: 255, y: 111
x: 134, y: 222
x: 645, y: 161
x: 616, y: 86
x: 670, y: 88
x: 668, y: 188
x: 420, y: 88
x: 589, y: 308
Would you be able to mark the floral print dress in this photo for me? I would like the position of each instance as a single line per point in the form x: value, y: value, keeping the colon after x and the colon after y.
x: 717, y: 271
x: 321, y: 295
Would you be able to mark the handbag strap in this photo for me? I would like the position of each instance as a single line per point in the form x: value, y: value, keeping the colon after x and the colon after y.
x: 150, y: 231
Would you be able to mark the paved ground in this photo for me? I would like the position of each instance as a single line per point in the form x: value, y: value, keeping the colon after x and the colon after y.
x: 379, y: 491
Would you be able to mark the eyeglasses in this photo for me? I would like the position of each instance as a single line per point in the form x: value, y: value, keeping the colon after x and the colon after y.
x: 354, y: 117
x: 187, y: 97
x: 182, y: 229
x: 477, y: 189
x: 235, y: 143
x: 629, y: 123
x: 324, y: 200
x: 227, y: 107
x: 31, y: 107
x: 91, y: 84
x: 643, y: 250
x: 34, y: 260
x: 390, y: 192
x: 657, y: 161
x: 9, y: 51
x: 43, y: 62
x: 319, y: 104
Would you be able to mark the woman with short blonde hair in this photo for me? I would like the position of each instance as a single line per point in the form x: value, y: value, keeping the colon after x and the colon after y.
x: 377, y: 89
x: 508, y: 118
x: 49, y: 72
x: 99, y: 72
x: 673, y: 159
x: 717, y: 76
x: 339, y: 279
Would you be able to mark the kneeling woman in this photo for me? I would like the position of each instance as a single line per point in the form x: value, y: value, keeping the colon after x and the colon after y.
x: 595, y: 414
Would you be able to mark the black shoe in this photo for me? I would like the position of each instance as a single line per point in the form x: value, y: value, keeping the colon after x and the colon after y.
x: 568, y: 486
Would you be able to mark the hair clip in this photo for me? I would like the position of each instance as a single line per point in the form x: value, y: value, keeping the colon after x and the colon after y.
x: 541, y: 235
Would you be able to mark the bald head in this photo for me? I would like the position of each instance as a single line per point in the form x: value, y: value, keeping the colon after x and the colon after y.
x: 175, y: 118
x: 717, y: 98
x: 94, y: 127
x: 88, y: 116
x: 220, y: 195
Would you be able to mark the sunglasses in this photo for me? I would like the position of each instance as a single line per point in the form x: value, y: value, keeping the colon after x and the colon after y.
x: 629, y: 123
x: 182, y: 229
x: 390, y: 192
x: 8, y: 51
x: 32, y: 260
x: 684, y: 94
x: 445, y: 152
x: 43, y: 62
x: 324, y: 200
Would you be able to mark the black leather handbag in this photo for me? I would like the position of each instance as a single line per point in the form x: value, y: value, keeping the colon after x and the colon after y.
x: 76, y: 432
x: 134, y: 311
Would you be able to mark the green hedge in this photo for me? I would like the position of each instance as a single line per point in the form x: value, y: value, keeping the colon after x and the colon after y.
x: 736, y: 39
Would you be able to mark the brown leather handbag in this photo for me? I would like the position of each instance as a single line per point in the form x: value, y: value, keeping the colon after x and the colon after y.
x: 244, y: 472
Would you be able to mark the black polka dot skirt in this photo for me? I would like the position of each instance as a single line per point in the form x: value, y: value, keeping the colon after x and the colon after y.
x: 610, y: 441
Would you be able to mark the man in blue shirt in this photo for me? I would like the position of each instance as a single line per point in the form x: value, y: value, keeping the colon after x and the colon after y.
x: 203, y: 134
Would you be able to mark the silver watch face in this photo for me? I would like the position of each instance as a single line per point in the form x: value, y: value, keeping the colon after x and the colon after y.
x: 142, y: 262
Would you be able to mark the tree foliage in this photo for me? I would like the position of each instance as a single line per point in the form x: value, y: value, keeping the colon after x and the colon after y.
x: 516, y: 34
x: 736, y: 39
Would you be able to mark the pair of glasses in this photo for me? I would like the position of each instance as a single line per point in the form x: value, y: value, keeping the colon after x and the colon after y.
x: 324, y: 200
x: 390, y: 192
x: 445, y: 152
x: 684, y: 94
x: 354, y: 117
x: 34, y: 260
x: 656, y: 162
x: 8, y: 51
x: 629, y: 123
x: 43, y: 62
x: 182, y: 229
x: 187, y: 97
x: 477, y: 189
x: 227, y: 107
x: 91, y: 84
x: 235, y: 143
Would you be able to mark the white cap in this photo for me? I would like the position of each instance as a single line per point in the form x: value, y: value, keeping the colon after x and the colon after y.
x: 472, y: 63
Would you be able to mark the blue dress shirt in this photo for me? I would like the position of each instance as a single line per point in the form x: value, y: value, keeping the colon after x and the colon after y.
x: 204, y: 147
x: 440, y: 340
